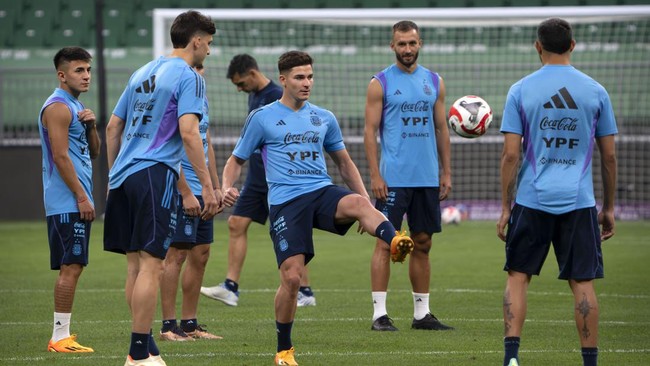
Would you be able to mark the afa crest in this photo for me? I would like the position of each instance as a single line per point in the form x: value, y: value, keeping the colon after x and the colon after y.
x: 427, y: 89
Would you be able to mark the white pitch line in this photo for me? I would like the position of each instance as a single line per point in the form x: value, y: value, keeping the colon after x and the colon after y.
x: 340, y: 320
x: 326, y: 290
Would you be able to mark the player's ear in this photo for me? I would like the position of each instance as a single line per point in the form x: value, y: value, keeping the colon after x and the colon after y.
x: 573, y: 44
x: 60, y: 75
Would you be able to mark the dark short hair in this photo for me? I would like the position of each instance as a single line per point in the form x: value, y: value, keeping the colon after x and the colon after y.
x: 188, y: 24
x: 555, y: 35
x: 67, y: 54
x: 241, y: 64
x: 405, y: 26
x: 291, y: 59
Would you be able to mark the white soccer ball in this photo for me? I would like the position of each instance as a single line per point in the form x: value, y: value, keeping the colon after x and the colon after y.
x: 470, y: 116
x: 451, y: 215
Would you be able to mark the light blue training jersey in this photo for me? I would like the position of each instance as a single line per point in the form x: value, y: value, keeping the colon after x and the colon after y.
x: 558, y: 110
x: 156, y: 96
x: 409, y: 153
x: 293, y: 144
x: 190, y: 175
x: 57, y: 197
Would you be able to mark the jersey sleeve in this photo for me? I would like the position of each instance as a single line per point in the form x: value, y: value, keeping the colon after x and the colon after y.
x: 191, y: 92
x: 252, y: 136
x: 511, y: 121
x: 333, y: 138
x: 121, y: 107
x: 606, y: 120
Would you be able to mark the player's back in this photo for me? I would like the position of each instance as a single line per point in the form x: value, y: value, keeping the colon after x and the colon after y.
x: 156, y: 96
x: 562, y: 109
x: 269, y: 94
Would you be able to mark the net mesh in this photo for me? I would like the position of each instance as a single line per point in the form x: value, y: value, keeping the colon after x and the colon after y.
x: 476, y: 51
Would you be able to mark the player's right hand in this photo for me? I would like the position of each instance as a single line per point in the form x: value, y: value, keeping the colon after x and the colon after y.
x: 607, y: 223
x: 502, y: 223
x: 230, y: 196
x: 379, y: 188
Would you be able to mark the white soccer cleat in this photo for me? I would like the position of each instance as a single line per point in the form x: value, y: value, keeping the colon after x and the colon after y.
x: 513, y: 362
x: 304, y: 300
x: 221, y: 293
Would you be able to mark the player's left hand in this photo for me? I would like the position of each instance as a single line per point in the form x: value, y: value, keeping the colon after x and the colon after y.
x: 191, y: 206
x: 210, y: 204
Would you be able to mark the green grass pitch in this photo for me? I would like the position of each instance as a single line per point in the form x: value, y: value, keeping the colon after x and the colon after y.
x: 466, y: 292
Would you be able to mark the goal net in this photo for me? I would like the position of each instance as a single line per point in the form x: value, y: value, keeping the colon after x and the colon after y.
x: 480, y: 51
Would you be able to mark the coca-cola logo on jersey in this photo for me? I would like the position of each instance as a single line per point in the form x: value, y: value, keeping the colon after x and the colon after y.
x: 419, y: 106
x: 307, y: 137
x: 563, y: 124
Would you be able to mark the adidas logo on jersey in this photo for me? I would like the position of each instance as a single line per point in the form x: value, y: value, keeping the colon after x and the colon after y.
x: 397, y: 92
x: 148, y: 86
x: 281, y: 123
x: 561, y: 100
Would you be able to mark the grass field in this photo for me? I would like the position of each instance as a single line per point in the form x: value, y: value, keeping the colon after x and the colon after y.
x: 467, y: 285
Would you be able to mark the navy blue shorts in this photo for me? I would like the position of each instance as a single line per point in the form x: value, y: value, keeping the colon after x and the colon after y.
x: 252, y: 202
x: 68, y: 237
x: 192, y: 230
x: 292, y: 222
x: 575, y: 236
x: 141, y: 213
x: 421, y: 206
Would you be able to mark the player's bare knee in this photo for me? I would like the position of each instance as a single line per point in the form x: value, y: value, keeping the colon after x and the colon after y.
x: 237, y: 225
x: 72, y: 271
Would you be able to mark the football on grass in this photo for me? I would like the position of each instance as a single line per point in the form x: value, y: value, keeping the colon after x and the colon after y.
x: 451, y: 215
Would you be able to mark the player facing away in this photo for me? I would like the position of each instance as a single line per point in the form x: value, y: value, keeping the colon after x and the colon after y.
x: 69, y: 141
x: 190, y: 246
x: 252, y: 204
x: 293, y: 136
x: 551, y: 120
x: 406, y: 106
x: 156, y: 117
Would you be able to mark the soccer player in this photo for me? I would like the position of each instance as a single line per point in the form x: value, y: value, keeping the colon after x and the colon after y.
x: 191, y: 243
x: 157, y: 115
x: 69, y: 141
x: 406, y: 105
x: 551, y: 120
x: 293, y: 135
x: 251, y: 205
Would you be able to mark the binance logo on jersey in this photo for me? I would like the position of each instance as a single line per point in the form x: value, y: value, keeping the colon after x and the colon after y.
x: 561, y: 100
x: 148, y: 86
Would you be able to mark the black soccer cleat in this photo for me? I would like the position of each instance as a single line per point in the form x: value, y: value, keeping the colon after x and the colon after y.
x: 429, y: 322
x: 383, y: 324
